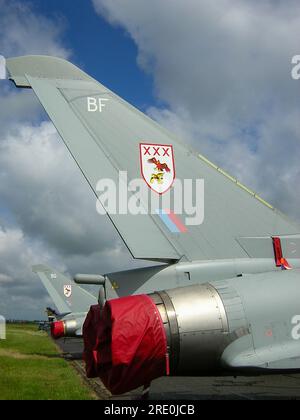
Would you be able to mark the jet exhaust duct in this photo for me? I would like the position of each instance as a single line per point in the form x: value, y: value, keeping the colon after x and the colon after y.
x: 196, y: 328
x: 67, y: 328
x: 229, y: 326
x: 136, y: 339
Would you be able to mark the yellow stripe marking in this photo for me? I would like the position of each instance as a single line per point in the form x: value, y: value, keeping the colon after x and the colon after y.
x: 239, y: 184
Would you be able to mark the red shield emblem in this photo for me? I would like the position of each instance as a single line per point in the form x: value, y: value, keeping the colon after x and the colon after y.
x: 157, y: 166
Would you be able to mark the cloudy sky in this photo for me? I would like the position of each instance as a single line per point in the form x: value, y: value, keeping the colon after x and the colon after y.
x: 218, y: 73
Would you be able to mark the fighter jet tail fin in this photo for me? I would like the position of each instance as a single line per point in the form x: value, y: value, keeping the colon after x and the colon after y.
x: 67, y: 296
x: 208, y: 212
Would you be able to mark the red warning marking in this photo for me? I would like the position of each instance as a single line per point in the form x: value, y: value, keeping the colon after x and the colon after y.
x: 285, y: 265
x: 269, y: 333
x: 279, y: 259
x: 277, y: 251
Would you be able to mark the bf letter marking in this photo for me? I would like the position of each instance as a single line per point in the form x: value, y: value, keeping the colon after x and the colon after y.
x: 96, y: 104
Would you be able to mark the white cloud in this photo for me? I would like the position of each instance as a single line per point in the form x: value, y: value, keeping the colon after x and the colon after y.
x: 54, y: 218
x: 5, y: 279
x: 47, y: 212
x: 50, y: 198
x: 22, y: 295
x: 223, y: 69
x: 17, y: 283
x: 22, y: 31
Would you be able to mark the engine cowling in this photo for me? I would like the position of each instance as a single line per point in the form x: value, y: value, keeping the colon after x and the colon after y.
x: 230, y: 325
x: 196, y: 328
x: 140, y: 338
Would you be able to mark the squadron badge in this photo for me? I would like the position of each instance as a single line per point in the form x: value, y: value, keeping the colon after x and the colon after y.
x: 68, y: 290
x: 157, y: 166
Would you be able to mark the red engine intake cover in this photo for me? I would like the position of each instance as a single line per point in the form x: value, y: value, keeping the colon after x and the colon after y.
x: 127, y: 347
x: 90, y: 331
x: 57, y: 330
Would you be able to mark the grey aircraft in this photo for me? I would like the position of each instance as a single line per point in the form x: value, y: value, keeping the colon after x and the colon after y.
x: 71, y: 301
x: 228, y: 284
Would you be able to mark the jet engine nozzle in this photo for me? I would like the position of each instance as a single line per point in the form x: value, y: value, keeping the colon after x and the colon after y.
x: 67, y: 328
x: 57, y: 329
x: 136, y: 339
x: 196, y: 327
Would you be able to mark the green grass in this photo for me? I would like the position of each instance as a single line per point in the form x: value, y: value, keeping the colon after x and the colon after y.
x: 31, y: 368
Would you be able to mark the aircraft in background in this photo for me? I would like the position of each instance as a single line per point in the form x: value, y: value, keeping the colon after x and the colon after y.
x: 225, y: 296
x: 71, y: 301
